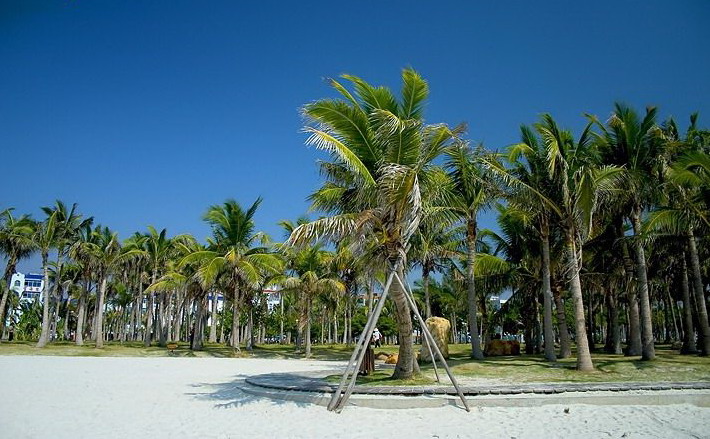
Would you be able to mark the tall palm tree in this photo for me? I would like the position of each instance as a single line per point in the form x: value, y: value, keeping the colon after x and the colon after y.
x: 433, y: 246
x: 382, y: 154
x: 684, y: 213
x: 108, y: 256
x: 138, y: 269
x: 15, y: 244
x: 83, y: 255
x: 574, y: 170
x: 635, y: 144
x: 157, y: 251
x: 62, y: 230
x: 234, y: 252
x: 474, y: 190
x: 188, y: 275
x: 45, y: 238
x: 310, y: 278
x: 529, y: 165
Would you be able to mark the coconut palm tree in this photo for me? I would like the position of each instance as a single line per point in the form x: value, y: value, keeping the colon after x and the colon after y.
x: 433, y: 246
x: 382, y: 155
x: 59, y: 230
x: 157, y: 250
x: 45, y: 238
x: 311, y: 277
x: 575, y: 173
x: 474, y: 190
x: 682, y: 215
x: 138, y: 269
x: 636, y: 145
x: 187, y: 274
x: 108, y: 257
x: 234, y: 253
x: 528, y: 160
x: 15, y: 244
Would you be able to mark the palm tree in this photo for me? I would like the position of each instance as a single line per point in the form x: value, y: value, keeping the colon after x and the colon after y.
x: 188, y: 275
x: 15, y: 244
x: 635, y: 144
x: 433, y: 245
x: 157, y: 251
x: 685, y: 211
x: 311, y: 278
x: 234, y: 254
x: 529, y: 165
x: 137, y: 268
x: 108, y: 256
x: 381, y: 158
x: 59, y: 231
x: 579, y: 181
x: 474, y: 190
x: 45, y: 238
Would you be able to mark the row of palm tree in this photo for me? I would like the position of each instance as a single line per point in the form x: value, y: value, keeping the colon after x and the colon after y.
x: 614, y: 219
x: 392, y: 178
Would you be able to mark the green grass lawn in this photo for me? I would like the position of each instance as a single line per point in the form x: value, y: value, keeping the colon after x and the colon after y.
x: 136, y: 349
x: 669, y: 366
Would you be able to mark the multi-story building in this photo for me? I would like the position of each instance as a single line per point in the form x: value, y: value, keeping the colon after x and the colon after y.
x: 28, y: 286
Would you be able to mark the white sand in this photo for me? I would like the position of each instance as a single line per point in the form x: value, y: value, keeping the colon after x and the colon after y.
x: 61, y: 397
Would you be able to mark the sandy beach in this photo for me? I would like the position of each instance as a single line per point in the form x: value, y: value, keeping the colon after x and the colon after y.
x: 75, y: 397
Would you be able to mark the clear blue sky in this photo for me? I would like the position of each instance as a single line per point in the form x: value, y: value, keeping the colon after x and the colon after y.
x: 148, y: 112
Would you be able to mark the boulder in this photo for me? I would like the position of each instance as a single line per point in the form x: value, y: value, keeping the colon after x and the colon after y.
x: 497, y: 348
x: 439, y: 328
x: 382, y: 356
x: 392, y: 359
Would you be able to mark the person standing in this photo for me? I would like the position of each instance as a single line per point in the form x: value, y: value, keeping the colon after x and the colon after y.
x: 376, y: 338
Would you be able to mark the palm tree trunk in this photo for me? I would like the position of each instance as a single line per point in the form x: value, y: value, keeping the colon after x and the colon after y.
x: 702, y: 312
x: 648, y: 351
x: 425, y: 286
x: 547, y: 292
x: 198, y: 330
x: 633, y: 338
x: 614, y: 335
x: 44, y: 335
x: 281, y: 323
x: 139, y: 307
x: 307, y: 330
x: 162, y: 310
x: 565, y: 340
x: 100, y: 312
x: 213, y: 319
x: 148, y: 336
x: 476, y: 352
x: 7, y: 278
x: 584, y: 357
x: 249, y: 337
x: 674, y: 317
x: 688, y: 346
x: 235, y: 321
x: 80, y: 314
x: 406, y: 366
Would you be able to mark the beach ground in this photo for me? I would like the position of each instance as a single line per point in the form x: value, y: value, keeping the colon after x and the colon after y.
x: 71, y: 397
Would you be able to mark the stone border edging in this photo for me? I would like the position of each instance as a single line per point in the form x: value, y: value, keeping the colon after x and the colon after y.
x: 313, y: 382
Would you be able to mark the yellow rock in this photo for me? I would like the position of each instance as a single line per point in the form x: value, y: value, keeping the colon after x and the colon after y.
x: 439, y: 328
x: 392, y: 359
x: 497, y: 348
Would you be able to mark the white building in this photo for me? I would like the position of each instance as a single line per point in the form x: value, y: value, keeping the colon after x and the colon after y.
x: 28, y: 286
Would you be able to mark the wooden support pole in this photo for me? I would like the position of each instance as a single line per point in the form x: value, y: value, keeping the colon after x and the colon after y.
x: 413, y: 304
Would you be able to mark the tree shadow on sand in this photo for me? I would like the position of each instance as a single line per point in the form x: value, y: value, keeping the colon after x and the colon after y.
x: 231, y: 394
